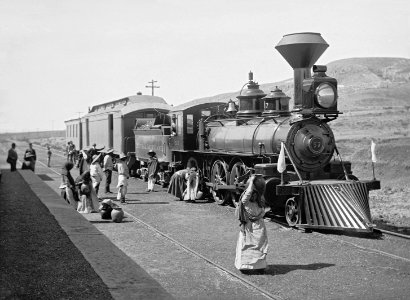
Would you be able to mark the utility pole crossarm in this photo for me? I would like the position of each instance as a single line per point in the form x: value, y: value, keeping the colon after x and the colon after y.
x: 152, y: 86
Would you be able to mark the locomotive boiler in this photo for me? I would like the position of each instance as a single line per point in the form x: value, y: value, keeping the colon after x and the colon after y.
x: 315, y: 190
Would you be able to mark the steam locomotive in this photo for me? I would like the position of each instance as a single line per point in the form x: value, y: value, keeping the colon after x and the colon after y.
x: 226, y: 144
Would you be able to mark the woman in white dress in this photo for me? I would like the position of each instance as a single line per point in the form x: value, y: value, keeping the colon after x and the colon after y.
x: 96, y: 172
x: 252, y: 245
x: 88, y: 198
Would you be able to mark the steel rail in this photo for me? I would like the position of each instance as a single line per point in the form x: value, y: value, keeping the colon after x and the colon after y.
x: 193, y: 252
x: 404, y: 236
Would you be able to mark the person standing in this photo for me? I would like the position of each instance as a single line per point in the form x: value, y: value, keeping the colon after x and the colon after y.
x: 48, y: 156
x: 94, y: 150
x: 107, y: 168
x: 96, y: 172
x: 152, y: 170
x: 71, y: 152
x: 12, y: 157
x: 30, y: 156
x: 123, y: 175
x: 252, y: 245
x: 68, y: 190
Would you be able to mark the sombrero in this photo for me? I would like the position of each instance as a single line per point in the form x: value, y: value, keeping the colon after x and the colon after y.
x: 152, y: 152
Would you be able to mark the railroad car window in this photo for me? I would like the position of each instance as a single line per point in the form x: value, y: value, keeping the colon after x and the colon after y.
x: 149, y: 115
x: 189, y: 124
x: 205, y: 113
x: 179, y: 124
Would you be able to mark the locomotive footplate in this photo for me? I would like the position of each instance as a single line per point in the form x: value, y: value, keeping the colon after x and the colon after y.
x: 329, y: 204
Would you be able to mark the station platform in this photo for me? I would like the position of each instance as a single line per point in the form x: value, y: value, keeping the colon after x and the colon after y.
x: 49, y: 251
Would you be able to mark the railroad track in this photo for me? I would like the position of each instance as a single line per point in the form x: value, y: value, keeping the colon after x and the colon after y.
x: 275, y: 219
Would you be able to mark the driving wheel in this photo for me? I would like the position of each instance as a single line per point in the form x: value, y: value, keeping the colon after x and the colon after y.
x: 219, y: 177
x: 238, y: 170
x: 292, y: 212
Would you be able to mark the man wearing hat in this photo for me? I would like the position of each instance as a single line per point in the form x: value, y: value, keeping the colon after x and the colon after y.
x: 94, y: 150
x: 107, y: 168
x: 152, y: 170
x: 123, y: 175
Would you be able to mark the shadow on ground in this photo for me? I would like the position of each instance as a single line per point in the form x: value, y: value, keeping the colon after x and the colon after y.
x: 283, y: 269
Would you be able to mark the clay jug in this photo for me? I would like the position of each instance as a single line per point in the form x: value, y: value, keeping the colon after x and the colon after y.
x: 117, y: 214
x: 105, y: 211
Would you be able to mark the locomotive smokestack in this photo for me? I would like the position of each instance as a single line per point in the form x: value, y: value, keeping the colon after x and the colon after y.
x: 301, y: 51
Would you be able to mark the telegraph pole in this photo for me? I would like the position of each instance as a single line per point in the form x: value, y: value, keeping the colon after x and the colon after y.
x: 79, y: 114
x: 152, y: 86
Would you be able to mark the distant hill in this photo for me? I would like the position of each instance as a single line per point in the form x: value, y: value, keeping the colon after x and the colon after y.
x: 363, y: 82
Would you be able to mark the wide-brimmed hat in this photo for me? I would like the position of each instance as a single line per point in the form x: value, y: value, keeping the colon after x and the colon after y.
x: 110, y: 150
x: 152, y: 152
x: 107, y: 201
x: 96, y: 158
x: 68, y: 165
x: 122, y: 155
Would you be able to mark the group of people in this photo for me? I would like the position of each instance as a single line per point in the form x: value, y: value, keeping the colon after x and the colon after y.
x: 82, y: 194
x: 94, y: 164
x: 30, y: 158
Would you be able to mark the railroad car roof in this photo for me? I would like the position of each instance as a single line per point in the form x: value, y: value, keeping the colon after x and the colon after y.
x: 197, y: 102
x: 130, y: 104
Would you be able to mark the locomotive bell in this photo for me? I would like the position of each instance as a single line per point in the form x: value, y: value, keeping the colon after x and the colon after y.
x: 231, y: 107
x: 250, y: 103
x: 276, y: 103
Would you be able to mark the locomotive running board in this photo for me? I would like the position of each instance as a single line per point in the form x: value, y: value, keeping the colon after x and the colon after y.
x: 342, y: 205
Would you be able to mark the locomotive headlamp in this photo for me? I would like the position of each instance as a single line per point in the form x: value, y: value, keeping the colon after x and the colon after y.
x: 326, y: 95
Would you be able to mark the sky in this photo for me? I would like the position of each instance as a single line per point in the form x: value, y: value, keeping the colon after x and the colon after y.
x: 57, y: 58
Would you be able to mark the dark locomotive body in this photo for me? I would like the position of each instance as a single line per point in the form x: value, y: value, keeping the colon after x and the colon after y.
x: 316, y: 190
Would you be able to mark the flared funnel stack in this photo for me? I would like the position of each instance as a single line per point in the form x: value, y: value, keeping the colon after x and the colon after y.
x: 301, y: 51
